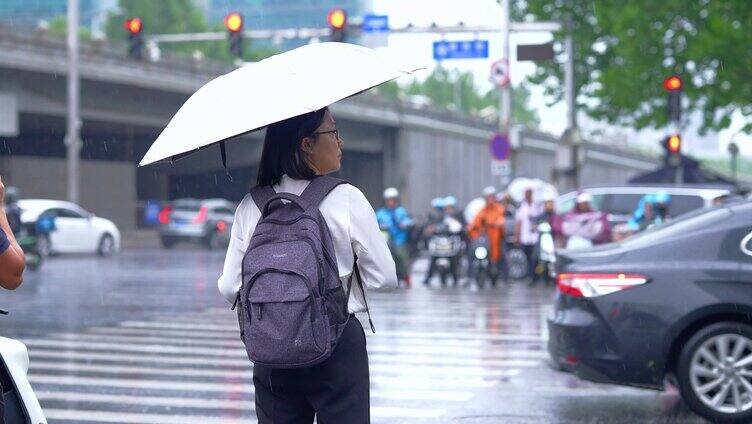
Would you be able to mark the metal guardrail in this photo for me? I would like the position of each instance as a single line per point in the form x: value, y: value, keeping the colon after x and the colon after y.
x: 104, y: 52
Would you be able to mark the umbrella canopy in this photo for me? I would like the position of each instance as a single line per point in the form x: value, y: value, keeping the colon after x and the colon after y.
x: 541, y: 189
x: 258, y: 94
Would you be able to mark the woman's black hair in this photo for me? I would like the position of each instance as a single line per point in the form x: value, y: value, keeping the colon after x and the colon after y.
x: 281, y: 154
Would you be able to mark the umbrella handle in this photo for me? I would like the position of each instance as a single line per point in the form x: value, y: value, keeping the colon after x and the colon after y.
x: 295, y: 200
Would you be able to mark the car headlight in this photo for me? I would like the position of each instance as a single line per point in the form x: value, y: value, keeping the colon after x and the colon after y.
x: 481, y: 252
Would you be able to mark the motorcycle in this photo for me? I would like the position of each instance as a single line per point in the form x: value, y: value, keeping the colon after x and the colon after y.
x: 444, y: 246
x: 546, y: 252
x: 32, y: 237
x: 480, y: 264
x: 21, y: 404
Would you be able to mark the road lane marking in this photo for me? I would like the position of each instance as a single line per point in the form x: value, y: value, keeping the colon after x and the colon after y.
x: 458, y: 381
x: 376, y: 346
x: 463, y: 335
x: 78, y: 415
x: 244, y: 388
x: 224, y: 404
x: 389, y: 366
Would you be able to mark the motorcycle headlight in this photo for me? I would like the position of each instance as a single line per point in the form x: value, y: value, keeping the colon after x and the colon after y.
x: 481, y: 252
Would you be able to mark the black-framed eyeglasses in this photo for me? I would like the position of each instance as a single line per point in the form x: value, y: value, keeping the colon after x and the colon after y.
x: 335, y: 132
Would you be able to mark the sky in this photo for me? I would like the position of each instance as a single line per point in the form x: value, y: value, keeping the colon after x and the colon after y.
x: 418, y: 48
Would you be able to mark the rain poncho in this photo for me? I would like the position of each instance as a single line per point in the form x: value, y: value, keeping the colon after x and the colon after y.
x: 592, y: 225
x: 490, y: 220
x: 638, y: 220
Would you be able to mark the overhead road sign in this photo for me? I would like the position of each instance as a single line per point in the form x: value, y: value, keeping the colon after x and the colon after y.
x: 468, y: 49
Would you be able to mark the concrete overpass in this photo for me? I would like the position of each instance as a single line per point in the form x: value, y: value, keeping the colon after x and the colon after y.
x: 124, y: 105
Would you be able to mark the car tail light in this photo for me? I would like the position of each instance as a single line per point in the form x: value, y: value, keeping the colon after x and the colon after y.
x: 221, y: 226
x: 164, y: 215
x: 203, y: 213
x: 594, y: 284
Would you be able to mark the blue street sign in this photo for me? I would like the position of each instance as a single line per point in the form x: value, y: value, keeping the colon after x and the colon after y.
x: 499, y: 145
x: 467, y: 49
x: 375, y: 23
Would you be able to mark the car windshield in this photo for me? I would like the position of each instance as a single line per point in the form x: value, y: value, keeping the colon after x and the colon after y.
x: 699, y: 219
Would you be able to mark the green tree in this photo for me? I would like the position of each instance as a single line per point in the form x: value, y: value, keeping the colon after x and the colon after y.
x: 624, y: 50
x: 58, y: 28
x: 522, y: 113
x: 457, y: 90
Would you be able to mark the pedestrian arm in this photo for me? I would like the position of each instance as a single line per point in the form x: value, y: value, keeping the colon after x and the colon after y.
x: 232, y: 273
x: 12, y: 260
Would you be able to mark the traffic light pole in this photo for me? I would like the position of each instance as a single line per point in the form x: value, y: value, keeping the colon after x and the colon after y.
x: 505, y: 99
x: 72, y: 137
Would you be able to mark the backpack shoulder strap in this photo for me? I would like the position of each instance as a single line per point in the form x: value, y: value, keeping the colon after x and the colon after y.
x: 319, y: 188
x: 262, y: 195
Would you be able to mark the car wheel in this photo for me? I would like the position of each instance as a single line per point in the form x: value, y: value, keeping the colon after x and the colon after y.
x: 715, y: 372
x: 215, y: 241
x: 167, y: 242
x: 516, y: 264
x: 106, y: 246
x: 44, y: 247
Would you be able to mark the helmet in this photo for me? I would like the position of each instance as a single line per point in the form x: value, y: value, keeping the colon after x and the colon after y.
x: 548, y: 196
x: 11, y: 195
x: 450, y: 201
x: 584, y: 198
x: 662, y: 197
x: 437, y: 202
x: 391, y: 193
x: 489, y: 191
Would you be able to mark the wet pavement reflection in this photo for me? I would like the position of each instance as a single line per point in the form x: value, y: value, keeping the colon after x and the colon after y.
x: 144, y: 337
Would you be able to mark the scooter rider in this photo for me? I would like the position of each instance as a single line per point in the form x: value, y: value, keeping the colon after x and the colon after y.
x: 396, y: 220
x: 446, y: 223
x: 490, y: 221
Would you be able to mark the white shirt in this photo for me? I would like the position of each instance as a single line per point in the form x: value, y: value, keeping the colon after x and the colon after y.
x: 352, y: 223
x: 525, y: 215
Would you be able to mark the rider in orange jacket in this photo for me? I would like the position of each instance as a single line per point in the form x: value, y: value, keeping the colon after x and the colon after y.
x: 490, y: 221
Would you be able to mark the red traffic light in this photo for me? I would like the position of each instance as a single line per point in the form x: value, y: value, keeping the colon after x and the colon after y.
x: 234, y: 22
x: 133, y: 25
x: 337, y: 18
x: 674, y: 143
x: 672, y: 83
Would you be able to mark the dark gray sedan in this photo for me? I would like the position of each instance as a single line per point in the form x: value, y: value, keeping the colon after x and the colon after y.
x: 207, y: 222
x: 674, y: 301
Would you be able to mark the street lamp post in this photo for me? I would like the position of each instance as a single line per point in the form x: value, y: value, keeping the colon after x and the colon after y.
x: 72, y: 137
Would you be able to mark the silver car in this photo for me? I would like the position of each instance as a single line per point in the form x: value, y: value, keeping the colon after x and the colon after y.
x: 208, y: 222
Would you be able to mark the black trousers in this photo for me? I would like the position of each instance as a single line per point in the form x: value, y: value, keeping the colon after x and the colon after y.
x: 336, y: 390
x: 532, y: 259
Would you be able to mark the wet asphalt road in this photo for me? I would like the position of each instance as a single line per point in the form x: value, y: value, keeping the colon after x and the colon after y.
x: 145, y: 338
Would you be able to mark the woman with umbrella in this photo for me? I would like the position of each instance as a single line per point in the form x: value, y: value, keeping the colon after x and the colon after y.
x: 295, y: 151
x: 289, y: 94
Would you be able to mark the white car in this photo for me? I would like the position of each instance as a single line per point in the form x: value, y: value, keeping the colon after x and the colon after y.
x: 76, y: 230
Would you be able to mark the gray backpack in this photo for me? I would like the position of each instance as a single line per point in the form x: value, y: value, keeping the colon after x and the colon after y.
x: 293, y: 307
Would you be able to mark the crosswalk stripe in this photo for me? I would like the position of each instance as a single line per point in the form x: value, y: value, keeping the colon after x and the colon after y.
x: 236, y: 352
x: 235, y: 336
x: 404, y: 366
x: 224, y: 404
x: 79, y: 415
x: 455, y: 348
x: 246, y: 388
x: 170, y: 401
x: 464, y: 335
x: 457, y: 381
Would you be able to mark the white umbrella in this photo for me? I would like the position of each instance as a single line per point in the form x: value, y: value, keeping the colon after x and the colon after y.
x: 541, y: 189
x: 258, y: 94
